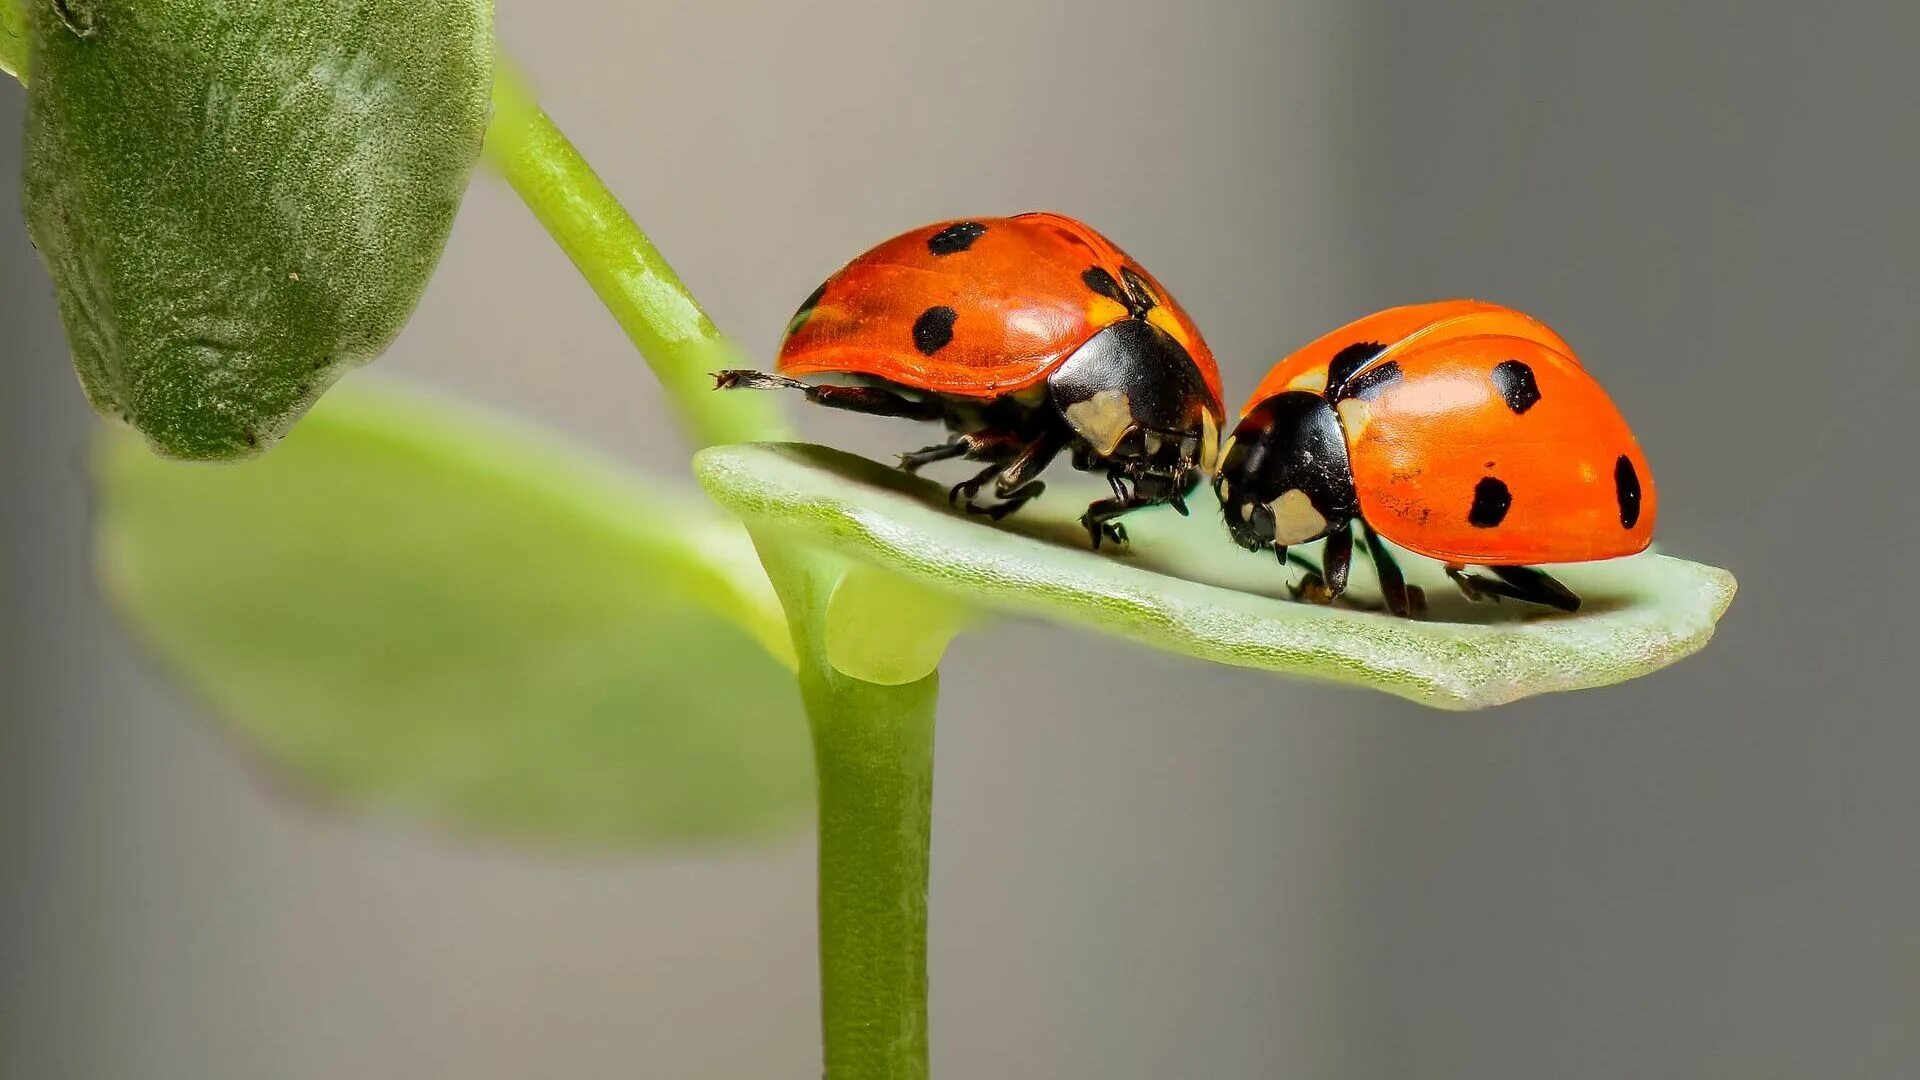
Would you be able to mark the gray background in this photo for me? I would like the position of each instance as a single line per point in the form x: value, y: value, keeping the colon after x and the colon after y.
x: 1149, y: 868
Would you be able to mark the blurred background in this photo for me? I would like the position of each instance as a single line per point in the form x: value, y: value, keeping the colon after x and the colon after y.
x: 1143, y: 867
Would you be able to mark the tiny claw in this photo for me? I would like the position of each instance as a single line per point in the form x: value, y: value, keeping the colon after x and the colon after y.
x: 1313, y: 589
x: 1179, y: 503
x: 1094, y: 532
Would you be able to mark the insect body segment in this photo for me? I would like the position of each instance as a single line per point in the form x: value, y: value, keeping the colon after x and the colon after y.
x: 1459, y: 430
x: 1029, y: 337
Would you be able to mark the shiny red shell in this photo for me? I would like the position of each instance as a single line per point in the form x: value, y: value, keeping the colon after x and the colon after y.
x: 1480, y: 438
x: 977, y: 308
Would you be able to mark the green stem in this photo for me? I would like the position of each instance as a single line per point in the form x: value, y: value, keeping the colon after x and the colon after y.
x: 632, y: 278
x: 873, y: 744
x: 873, y: 755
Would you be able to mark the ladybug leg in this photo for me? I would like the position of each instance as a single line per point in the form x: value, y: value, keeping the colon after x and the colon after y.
x: 1312, y: 584
x: 1536, y: 586
x: 1016, y: 485
x: 915, y: 460
x: 1515, y: 583
x: 1472, y: 586
x: 967, y: 489
x: 1099, y: 522
x: 1336, y: 559
x: 1099, y: 518
x: 986, y: 445
x: 1393, y: 585
x: 1323, y: 584
x: 1013, y: 484
x: 871, y: 400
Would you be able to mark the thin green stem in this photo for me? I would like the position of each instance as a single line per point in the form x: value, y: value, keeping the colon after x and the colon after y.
x: 873, y: 744
x: 631, y: 277
x: 873, y: 755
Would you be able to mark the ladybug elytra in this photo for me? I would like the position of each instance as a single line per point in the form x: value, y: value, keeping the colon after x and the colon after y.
x: 1028, y: 337
x: 1460, y: 430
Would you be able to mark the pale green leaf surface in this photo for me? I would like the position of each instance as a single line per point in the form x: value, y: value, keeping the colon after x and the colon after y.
x: 421, y: 610
x: 887, y: 629
x: 240, y: 199
x: 1184, y: 587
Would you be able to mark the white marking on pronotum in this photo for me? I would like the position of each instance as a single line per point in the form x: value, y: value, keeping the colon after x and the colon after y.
x: 1103, y: 420
x: 1295, y: 521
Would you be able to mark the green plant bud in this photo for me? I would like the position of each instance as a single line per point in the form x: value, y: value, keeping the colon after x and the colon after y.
x: 239, y: 200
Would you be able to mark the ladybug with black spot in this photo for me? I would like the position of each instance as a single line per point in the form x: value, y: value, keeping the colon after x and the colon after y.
x: 1027, y: 337
x: 1460, y: 430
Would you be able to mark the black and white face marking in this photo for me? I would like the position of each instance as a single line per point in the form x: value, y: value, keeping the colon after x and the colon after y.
x: 1135, y: 398
x: 1285, y: 478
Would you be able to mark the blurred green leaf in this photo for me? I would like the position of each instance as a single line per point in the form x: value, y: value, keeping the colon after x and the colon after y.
x: 239, y: 199
x: 421, y: 610
x: 1184, y: 587
x: 13, y: 38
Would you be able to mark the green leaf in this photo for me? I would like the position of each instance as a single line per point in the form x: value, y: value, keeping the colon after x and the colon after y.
x: 239, y: 199
x: 13, y: 38
x: 416, y: 609
x: 1184, y: 587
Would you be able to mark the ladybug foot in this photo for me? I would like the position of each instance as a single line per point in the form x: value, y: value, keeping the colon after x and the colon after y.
x: 1313, y: 589
x: 914, y: 460
x: 1104, y: 531
x: 1012, y: 501
x: 1472, y: 586
x: 1515, y: 583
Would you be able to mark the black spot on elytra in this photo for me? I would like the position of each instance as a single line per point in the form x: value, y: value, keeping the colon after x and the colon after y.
x: 1491, y: 501
x: 934, y: 329
x: 1097, y: 279
x: 1349, y: 360
x: 1515, y: 382
x: 1626, y: 488
x: 1368, y: 384
x: 806, y: 310
x: 955, y: 238
x: 1144, y: 299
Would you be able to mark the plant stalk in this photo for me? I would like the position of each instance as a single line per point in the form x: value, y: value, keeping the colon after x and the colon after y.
x: 873, y: 744
x: 873, y: 758
x: 633, y: 280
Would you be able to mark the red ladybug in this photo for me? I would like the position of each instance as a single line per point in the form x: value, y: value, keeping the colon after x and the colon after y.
x: 1027, y: 336
x: 1460, y: 430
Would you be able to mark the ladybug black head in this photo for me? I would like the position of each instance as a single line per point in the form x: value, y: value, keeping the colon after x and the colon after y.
x: 1133, y: 396
x: 1285, y: 478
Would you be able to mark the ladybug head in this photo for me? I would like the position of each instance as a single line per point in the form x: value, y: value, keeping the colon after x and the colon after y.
x: 1138, y: 405
x: 1285, y: 478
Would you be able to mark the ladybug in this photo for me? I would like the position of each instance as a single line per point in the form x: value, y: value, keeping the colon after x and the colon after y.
x: 1460, y: 430
x: 1027, y: 337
